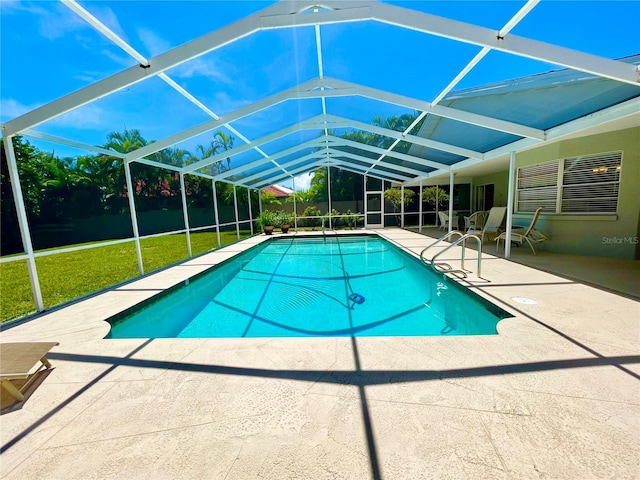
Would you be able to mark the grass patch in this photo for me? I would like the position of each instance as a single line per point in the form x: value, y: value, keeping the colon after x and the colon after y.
x: 66, y: 276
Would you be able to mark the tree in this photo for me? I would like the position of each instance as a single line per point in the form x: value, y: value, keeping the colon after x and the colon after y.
x: 301, y: 196
x: 394, y: 196
x: 318, y: 185
x: 269, y: 198
x: 64, y: 187
x: 126, y: 141
x: 346, y: 185
x: 107, y: 183
x: 431, y: 195
x: 29, y: 162
x: 221, y: 142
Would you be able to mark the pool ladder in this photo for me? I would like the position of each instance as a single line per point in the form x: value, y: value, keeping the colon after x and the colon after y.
x: 443, y: 267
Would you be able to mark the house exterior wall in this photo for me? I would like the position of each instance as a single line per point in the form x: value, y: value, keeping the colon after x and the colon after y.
x: 500, y: 181
x: 598, y: 235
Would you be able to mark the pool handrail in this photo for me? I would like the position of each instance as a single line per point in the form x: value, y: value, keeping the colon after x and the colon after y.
x: 463, y: 238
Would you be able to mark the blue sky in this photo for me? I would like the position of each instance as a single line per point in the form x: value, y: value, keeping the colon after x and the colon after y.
x: 48, y: 51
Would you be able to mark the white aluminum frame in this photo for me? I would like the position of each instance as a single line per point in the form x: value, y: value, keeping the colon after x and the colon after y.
x: 300, y: 13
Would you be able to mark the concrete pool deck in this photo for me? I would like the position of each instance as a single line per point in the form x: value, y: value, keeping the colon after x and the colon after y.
x: 556, y: 394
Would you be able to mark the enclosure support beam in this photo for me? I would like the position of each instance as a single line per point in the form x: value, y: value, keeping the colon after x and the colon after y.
x: 295, y: 207
x: 134, y: 216
x: 216, y: 216
x: 250, y: 212
x: 235, y: 210
x: 383, y: 203
x: 450, y: 199
x: 420, y: 209
x: 401, y: 206
x: 364, y: 189
x: 437, y: 202
x: 336, y: 163
x: 485, y: 50
x: 185, y: 213
x: 23, y: 222
x: 510, y: 196
x: 329, y: 193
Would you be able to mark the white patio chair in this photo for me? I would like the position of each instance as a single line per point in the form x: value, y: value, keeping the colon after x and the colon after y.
x: 444, y: 221
x: 494, y: 220
x: 475, y: 221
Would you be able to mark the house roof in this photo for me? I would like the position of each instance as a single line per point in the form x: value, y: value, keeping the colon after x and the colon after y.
x: 300, y: 125
x: 278, y: 190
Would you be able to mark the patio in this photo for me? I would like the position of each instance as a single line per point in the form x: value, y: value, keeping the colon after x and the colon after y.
x: 553, y: 395
x: 615, y: 275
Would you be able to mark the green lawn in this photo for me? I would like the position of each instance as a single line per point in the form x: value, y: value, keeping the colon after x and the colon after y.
x: 66, y: 276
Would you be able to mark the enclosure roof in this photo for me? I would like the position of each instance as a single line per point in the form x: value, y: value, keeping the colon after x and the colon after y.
x: 296, y: 86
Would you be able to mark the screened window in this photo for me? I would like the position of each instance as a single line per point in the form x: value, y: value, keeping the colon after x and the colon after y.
x: 585, y: 184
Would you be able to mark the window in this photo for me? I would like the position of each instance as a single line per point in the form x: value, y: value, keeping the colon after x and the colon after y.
x: 585, y: 184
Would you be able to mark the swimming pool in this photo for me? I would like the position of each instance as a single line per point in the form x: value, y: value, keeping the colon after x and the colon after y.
x: 330, y: 286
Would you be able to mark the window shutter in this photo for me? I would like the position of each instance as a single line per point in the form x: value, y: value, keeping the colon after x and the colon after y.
x: 537, y: 186
x: 591, y: 183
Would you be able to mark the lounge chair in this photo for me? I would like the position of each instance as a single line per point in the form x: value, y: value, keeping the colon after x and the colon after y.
x: 520, y: 235
x: 475, y: 221
x: 494, y: 220
x: 18, y: 361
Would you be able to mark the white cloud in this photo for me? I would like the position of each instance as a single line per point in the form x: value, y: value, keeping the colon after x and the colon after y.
x: 153, y: 43
x: 198, y: 67
x: 303, y: 182
x: 224, y: 103
x: 10, y: 7
x: 58, y: 22
x: 10, y: 109
x: 106, y: 16
x: 122, y: 60
x: 88, y: 116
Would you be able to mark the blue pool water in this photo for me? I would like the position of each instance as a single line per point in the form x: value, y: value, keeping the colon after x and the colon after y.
x: 327, y: 286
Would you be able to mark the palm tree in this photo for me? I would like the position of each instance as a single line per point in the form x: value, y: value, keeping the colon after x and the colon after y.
x: 62, y: 181
x: 225, y: 142
x: 221, y: 142
x: 125, y: 142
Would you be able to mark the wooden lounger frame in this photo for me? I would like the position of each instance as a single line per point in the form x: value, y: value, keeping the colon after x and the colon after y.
x: 17, y: 362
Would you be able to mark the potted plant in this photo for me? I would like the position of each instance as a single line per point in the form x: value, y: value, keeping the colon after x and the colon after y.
x: 265, y: 221
x: 282, y: 220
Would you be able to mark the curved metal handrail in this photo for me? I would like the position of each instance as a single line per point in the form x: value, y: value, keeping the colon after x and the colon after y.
x: 442, y: 238
x: 463, y: 238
